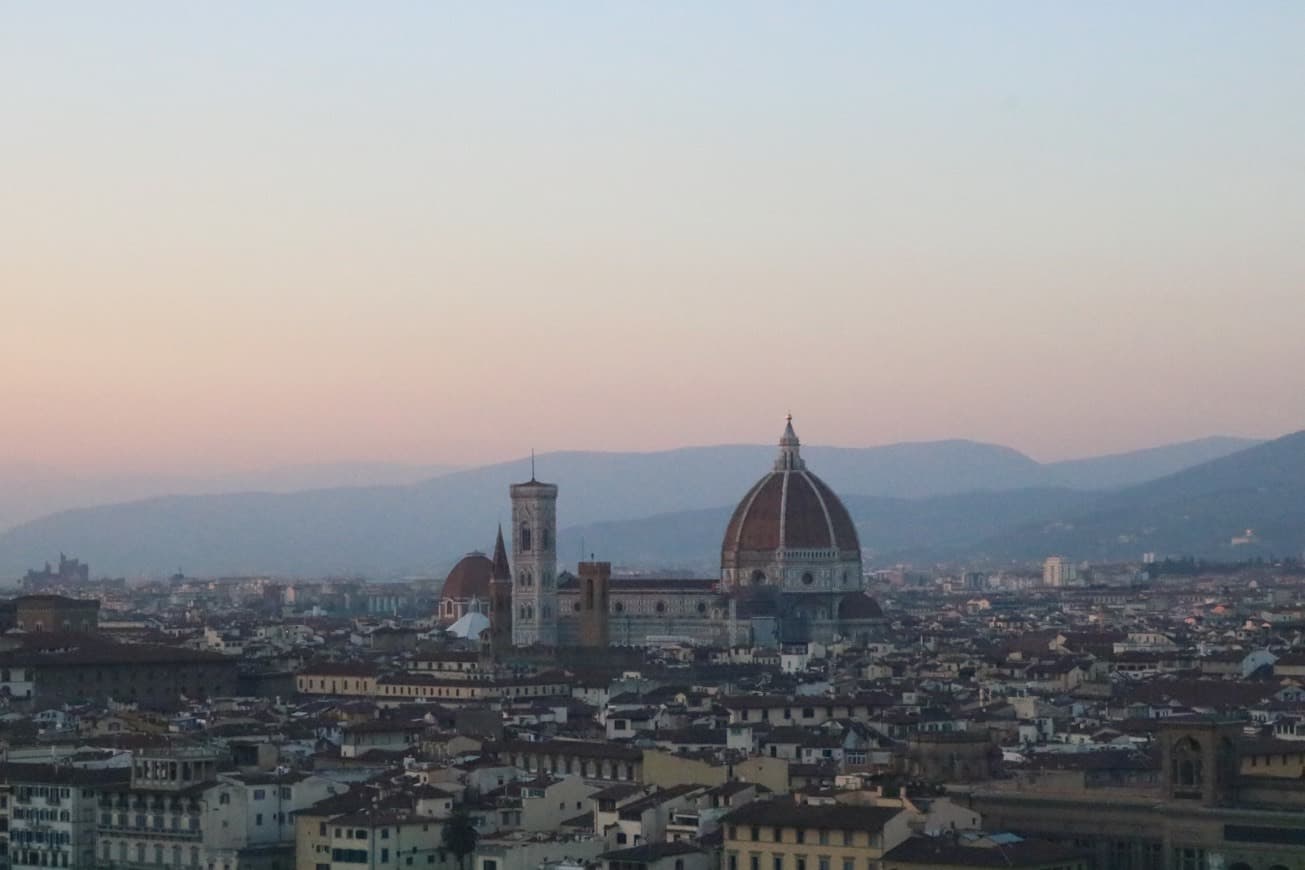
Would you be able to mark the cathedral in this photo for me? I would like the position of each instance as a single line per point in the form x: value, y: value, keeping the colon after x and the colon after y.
x: 790, y: 572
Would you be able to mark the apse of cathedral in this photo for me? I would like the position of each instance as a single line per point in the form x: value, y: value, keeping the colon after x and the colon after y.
x: 790, y: 573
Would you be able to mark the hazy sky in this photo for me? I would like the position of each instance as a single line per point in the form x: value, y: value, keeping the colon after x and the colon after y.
x: 239, y: 234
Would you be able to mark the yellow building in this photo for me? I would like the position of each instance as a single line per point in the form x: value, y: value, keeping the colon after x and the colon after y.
x: 340, y: 678
x: 783, y: 835
x: 1270, y: 756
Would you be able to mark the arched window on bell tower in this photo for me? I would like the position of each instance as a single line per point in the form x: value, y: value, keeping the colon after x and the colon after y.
x: 525, y: 538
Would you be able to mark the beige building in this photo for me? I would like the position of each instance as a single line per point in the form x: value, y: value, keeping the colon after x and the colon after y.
x: 337, y: 679
x: 1057, y: 571
x: 783, y: 835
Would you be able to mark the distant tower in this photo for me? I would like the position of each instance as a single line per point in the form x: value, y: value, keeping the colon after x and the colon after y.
x: 534, y: 559
x: 500, y: 598
x: 595, y: 578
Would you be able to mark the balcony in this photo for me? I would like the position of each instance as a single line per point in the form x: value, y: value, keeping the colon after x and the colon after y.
x: 179, y: 834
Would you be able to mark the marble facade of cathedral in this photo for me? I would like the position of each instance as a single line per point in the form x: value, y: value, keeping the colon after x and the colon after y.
x: 790, y: 572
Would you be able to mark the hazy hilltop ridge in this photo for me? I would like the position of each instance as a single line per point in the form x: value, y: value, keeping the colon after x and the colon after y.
x: 947, y: 497
x: 1249, y: 503
x: 28, y: 492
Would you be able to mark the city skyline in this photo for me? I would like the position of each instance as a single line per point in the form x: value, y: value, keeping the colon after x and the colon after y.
x: 240, y: 238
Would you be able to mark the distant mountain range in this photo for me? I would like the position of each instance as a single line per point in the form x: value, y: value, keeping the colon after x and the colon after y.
x: 921, y: 501
x: 1247, y: 504
x: 28, y: 492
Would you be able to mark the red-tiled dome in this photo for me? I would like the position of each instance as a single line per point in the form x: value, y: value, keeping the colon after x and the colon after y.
x: 469, y: 578
x: 790, y: 509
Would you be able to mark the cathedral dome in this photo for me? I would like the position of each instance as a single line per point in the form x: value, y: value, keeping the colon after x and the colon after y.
x: 468, y: 579
x: 790, y: 509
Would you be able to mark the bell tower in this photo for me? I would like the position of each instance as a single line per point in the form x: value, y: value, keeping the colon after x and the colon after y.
x: 534, y: 563
x: 500, y: 598
x: 595, y: 580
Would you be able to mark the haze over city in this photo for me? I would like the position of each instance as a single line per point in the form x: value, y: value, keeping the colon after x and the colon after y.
x: 236, y: 237
x: 652, y: 436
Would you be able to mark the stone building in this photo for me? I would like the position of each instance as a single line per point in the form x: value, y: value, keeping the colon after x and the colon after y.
x: 594, y: 582
x: 643, y: 610
x: 791, y: 549
x: 790, y: 572
x: 71, y: 572
x: 1205, y: 813
x: 88, y: 669
x: 952, y: 756
x: 56, y: 613
x: 534, y: 560
x: 500, y: 595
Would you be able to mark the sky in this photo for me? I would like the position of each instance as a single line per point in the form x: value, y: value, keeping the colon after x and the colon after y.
x: 236, y: 235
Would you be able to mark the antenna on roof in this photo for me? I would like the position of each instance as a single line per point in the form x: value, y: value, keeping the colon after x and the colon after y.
x: 532, y: 463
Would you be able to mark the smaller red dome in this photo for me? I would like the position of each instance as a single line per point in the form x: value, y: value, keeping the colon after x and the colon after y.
x: 469, y: 578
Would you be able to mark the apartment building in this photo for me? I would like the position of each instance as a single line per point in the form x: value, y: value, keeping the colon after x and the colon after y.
x: 783, y: 835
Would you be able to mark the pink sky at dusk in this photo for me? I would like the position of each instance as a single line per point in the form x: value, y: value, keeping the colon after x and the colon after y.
x: 234, y: 239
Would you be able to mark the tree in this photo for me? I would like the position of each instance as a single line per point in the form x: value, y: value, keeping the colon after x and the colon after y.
x: 459, y: 835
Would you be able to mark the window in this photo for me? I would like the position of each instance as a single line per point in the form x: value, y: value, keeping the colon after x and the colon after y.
x: 349, y: 856
x: 754, y: 861
x: 525, y: 538
x: 258, y: 819
x: 777, y: 862
x: 847, y: 838
x: 756, y: 835
x: 801, y: 838
x: 733, y: 862
x: 824, y: 862
x: 823, y: 837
